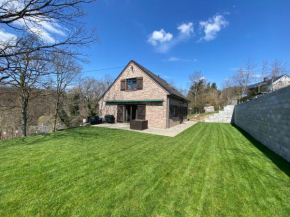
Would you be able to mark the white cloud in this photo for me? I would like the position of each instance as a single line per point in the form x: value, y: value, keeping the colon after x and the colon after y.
x: 159, y: 37
x: 163, y: 41
x: 48, y: 30
x: 175, y: 59
x: 212, y: 26
x: 186, y: 28
x: 6, y: 36
x: 257, y: 75
x: 45, y: 36
x: 52, y: 27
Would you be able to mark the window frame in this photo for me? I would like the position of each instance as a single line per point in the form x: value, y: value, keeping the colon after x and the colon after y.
x: 133, y: 84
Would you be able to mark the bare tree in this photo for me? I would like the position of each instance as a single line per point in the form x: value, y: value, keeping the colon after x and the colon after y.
x: 34, y: 16
x: 91, y: 90
x: 245, y: 75
x: 264, y: 72
x: 25, y: 76
x: 40, y: 10
x: 277, y: 68
x: 65, y: 71
x: 194, y: 81
x: 108, y: 80
x: 229, y: 91
x: 264, y: 68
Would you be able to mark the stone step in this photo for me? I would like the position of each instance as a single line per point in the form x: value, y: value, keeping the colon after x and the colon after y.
x: 224, y: 116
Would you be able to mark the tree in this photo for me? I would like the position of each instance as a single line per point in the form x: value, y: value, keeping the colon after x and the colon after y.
x: 277, y: 68
x: 213, y: 86
x: 91, y: 90
x: 229, y: 91
x: 194, y: 82
x: 245, y: 75
x: 25, y: 76
x: 264, y: 72
x: 65, y: 70
x: 34, y: 17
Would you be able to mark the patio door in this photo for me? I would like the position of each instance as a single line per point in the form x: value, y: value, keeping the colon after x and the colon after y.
x: 131, y: 112
x: 120, y: 113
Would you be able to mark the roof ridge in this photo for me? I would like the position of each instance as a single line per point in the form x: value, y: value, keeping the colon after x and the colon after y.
x: 172, y: 90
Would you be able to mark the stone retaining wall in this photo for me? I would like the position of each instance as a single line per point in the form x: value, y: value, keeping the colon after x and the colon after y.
x: 267, y: 119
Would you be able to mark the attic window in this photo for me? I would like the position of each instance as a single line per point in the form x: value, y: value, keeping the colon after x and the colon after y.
x: 132, y: 84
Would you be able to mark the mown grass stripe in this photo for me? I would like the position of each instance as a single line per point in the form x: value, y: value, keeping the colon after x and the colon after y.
x: 207, y: 170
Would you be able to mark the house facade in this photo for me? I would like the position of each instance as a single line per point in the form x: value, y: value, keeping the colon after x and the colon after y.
x: 272, y: 84
x: 138, y: 93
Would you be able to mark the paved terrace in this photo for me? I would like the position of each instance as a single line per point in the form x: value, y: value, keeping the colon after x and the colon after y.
x: 172, y: 131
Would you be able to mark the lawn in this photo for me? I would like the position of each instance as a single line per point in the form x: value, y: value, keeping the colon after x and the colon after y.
x: 208, y: 170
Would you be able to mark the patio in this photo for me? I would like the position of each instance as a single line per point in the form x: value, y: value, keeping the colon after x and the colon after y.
x: 171, y: 132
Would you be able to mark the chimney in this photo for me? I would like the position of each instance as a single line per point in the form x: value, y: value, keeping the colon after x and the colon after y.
x: 266, y: 79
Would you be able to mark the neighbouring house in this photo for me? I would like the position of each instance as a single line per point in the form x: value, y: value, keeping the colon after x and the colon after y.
x: 268, y: 85
x: 138, y: 93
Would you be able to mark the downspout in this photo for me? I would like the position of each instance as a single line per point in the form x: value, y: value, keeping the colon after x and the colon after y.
x: 187, y: 111
x: 168, y: 112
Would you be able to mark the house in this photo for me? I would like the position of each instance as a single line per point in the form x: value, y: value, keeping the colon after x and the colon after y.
x: 272, y: 84
x: 138, y: 93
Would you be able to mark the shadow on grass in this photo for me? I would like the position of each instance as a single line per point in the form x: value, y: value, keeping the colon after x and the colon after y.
x: 280, y: 162
x: 31, y: 140
x: 71, y: 134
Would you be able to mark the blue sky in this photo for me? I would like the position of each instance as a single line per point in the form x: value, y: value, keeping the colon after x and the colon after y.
x: 175, y: 38
x: 250, y: 29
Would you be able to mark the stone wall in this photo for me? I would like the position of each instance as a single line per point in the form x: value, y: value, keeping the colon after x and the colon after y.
x: 267, y: 119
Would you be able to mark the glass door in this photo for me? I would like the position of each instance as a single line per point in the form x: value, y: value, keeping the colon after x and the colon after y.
x: 131, y: 113
x: 128, y: 113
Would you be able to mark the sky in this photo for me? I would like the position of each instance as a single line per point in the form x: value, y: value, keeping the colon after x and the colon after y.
x: 175, y: 38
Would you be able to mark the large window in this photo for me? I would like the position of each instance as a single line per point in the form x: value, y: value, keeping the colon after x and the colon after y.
x: 132, y: 84
x: 175, y: 111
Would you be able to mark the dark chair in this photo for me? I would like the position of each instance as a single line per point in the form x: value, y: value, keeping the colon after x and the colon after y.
x: 110, y: 119
x: 96, y: 120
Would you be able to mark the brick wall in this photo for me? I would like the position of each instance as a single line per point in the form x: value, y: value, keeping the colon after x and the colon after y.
x: 267, y: 119
x: 155, y: 113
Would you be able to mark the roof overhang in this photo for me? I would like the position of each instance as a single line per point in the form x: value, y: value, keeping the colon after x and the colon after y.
x: 134, y: 101
x: 179, y: 98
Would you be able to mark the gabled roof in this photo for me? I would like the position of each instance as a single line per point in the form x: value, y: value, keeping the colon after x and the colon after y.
x: 170, y: 89
x: 264, y: 83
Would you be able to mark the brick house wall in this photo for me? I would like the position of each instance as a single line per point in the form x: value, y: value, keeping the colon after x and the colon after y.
x: 156, y: 113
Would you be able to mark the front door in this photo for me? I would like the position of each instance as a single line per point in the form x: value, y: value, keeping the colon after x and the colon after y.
x: 120, y: 113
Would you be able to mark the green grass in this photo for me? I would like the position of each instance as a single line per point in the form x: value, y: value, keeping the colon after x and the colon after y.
x: 208, y: 170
